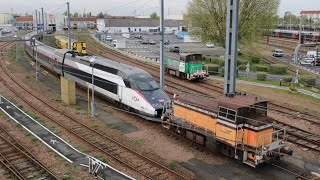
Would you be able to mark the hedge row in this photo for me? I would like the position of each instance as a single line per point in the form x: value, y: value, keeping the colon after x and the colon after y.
x: 217, y: 61
x: 307, y: 80
x: 262, y: 68
x: 242, y: 67
x: 278, y: 69
x: 213, y: 69
x: 287, y: 79
x: 261, y: 76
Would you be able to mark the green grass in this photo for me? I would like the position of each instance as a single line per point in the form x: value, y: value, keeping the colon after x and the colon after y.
x: 136, y: 141
x: 173, y: 164
x: 275, y: 83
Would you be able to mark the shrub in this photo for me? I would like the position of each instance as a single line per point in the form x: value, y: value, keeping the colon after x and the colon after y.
x: 262, y: 68
x: 216, y: 60
x: 255, y: 59
x: 287, y: 79
x: 213, y: 69
x: 239, y: 53
x: 278, y: 69
x: 242, y: 62
x: 261, y: 76
x: 242, y: 67
x: 222, y: 72
x: 307, y: 80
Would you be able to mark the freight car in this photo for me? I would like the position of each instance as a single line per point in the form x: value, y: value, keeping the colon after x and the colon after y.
x: 186, y: 66
x: 78, y: 46
x: 127, y: 87
x: 236, y: 126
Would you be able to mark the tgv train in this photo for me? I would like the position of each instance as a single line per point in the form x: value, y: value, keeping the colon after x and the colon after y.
x: 128, y: 87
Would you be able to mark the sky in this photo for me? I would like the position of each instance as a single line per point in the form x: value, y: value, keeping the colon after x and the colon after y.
x: 129, y: 7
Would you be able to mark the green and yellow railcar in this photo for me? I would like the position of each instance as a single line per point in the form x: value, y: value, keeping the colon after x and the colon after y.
x: 187, y: 66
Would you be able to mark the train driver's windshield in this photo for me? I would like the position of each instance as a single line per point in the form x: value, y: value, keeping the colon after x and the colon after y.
x: 147, y: 85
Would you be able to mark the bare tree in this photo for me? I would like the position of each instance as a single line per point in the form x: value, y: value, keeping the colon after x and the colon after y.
x: 207, y: 19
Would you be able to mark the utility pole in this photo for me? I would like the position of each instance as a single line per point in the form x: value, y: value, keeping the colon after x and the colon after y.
x: 42, y: 19
x: 37, y: 21
x: 69, y: 27
x: 231, y: 53
x: 161, y: 45
x: 300, y: 27
x: 46, y: 16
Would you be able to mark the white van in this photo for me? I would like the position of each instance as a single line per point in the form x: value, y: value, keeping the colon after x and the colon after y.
x: 313, y: 54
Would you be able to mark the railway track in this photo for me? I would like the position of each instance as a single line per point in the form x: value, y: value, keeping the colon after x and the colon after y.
x: 174, y: 83
x: 142, y: 165
x: 294, y: 133
x: 301, y: 137
x: 19, y: 162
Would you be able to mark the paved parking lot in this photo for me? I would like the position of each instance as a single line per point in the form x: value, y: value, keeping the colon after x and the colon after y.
x: 290, y: 59
x: 153, y: 51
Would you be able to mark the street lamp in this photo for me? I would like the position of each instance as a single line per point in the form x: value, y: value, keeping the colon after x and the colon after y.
x: 93, y: 110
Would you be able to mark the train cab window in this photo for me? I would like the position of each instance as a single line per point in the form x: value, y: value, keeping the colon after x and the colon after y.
x: 127, y: 83
x: 147, y: 85
x: 228, y: 114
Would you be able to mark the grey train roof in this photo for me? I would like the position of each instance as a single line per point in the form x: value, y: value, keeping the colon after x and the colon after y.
x: 124, y: 70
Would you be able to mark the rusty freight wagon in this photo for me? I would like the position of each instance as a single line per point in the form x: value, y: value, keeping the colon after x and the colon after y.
x: 238, y: 126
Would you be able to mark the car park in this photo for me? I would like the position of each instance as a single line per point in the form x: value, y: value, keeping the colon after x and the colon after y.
x: 210, y: 45
x: 175, y: 49
x: 277, y: 53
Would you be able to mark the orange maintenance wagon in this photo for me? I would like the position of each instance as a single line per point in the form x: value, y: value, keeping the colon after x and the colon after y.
x: 238, y: 126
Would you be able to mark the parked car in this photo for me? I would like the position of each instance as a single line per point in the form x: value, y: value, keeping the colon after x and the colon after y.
x: 166, y: 42
x: 307, y: 61
x: 152, y: 42
x: 138, y: 42
x: 175, y: 49
x: 210, y: 45
x: 109, y: 38
x: 145, y: 42
x: 138, y: 36
x: 277, y: 53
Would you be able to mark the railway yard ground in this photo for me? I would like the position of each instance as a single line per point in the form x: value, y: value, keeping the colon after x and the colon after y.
x: 148, y: 138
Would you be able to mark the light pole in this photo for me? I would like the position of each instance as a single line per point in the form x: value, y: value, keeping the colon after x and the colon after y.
x: 37, y: 70
x: 93, y: 110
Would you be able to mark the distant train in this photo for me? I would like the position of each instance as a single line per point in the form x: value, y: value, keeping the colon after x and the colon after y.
x: 78, y: 46
x: 186, y: 66
x: 126, y: 86
x: 293, y: 34
x: 237, y: 126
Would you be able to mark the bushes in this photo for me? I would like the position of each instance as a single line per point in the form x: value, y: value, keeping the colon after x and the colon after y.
x: 217, y: 61
x: 242, y: 62
x: 278, y: 69
x: 287, y: 79
x: 213, y: 69
x: 255, y: 60
x: 262, y: 68
x: 307, y: 80
x: 261, y: 76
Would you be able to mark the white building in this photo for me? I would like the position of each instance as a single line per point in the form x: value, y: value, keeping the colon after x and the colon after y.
x: 138, y: 25
x: 6, y: 18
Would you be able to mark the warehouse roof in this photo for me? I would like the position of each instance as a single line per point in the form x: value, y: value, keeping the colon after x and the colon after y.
x: 84, y: 19
x: 24, y: 19
x: 141, y: 22
x: 310, y: 12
